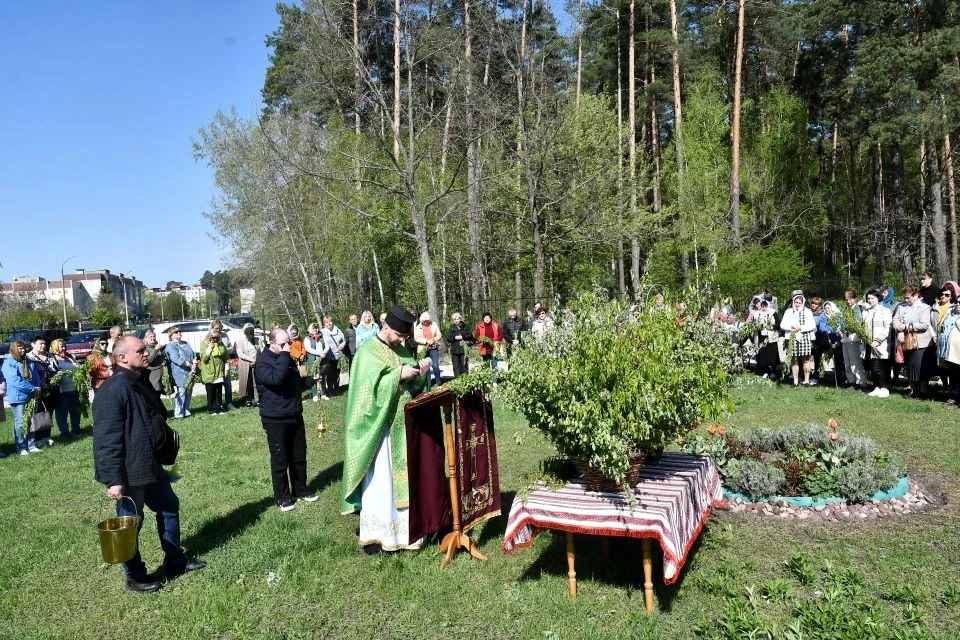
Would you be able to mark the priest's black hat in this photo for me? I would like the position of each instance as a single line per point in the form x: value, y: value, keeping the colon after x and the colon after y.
x: 400, y: 320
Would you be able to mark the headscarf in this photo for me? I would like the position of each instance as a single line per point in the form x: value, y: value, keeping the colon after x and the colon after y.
x: 948, y: 323
x: 293, y: 331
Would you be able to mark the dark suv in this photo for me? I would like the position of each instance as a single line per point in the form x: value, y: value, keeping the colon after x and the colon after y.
x: 27, y: 336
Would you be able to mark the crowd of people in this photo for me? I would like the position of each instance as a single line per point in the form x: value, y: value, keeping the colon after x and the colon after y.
x: 877, y: 342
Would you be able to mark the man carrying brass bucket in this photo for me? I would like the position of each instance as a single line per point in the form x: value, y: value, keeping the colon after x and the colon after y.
x: 129, y: 429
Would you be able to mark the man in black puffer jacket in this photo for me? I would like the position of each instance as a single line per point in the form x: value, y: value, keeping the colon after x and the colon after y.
x: 128, y: 430
x: 281, y: 412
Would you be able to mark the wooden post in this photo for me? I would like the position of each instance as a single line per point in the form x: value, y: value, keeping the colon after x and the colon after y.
x: 647, y: 576
x: 571, y: 569
x: 456, y: 539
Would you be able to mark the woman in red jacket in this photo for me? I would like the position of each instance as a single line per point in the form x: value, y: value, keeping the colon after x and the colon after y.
x: 489, y: 335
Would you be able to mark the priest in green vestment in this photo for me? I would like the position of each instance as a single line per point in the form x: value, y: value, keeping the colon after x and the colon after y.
x: 383, y: 377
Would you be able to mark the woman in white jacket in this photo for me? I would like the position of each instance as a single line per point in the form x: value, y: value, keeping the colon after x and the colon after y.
x: 800, y: 325
x: 877, y: 318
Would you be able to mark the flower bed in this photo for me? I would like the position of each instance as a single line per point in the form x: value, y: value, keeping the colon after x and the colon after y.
x: 805, y: 465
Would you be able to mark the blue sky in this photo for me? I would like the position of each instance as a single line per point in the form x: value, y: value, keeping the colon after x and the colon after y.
x: 100, y: 102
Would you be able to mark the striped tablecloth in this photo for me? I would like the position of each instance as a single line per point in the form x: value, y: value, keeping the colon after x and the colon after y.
x: 674, y: 496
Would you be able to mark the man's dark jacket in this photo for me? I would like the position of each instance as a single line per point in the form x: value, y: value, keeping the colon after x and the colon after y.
x: 513, y: 328
x: 128, y: 430
x: 279, y: 386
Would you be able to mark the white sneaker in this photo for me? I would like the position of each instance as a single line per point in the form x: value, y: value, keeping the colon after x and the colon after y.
x: 324, y: 398
x: 24, y: 453
x: 33, y: 449
x: 316, y: 398
x: 884, y: 393
x: 49, y: 442
x: 875, y: 393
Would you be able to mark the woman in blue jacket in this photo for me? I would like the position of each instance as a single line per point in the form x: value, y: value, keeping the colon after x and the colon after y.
x: 23, y: 381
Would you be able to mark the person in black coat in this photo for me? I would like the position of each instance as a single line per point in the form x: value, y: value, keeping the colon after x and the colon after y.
x: 129, y: 429
x: 458, y: 336
x: 281, y: 413
x: 513, y: 328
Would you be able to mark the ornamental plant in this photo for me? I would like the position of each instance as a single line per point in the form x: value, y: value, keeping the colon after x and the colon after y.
x: 604, y: 383
x: 804, y: 460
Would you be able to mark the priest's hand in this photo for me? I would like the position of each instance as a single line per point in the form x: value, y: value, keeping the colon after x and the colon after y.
x: 425, y: 365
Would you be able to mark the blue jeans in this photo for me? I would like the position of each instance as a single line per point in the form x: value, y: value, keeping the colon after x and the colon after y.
x: 69, y: 404
x: 181, y: 401
x: 161, y: 499
x: 22, y: 443
x: 435, y: 358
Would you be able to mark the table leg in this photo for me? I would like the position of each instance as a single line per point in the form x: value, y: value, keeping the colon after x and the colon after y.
x: 571, y: 571
x: 647, y: 575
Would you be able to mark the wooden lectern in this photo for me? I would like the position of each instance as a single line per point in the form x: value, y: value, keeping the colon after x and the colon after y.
x: 444, y: 399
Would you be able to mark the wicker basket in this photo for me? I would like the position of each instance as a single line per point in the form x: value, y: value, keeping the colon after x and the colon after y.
x: 597, y: 481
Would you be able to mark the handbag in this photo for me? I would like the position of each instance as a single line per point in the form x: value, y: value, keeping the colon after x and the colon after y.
x: 910, y: 342
x: 167, y: 453
x: 41, y: 421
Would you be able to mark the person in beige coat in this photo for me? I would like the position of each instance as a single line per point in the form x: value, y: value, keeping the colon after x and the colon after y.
x: 915, y: 318
x: 247, y: 352
x: 877, y: 319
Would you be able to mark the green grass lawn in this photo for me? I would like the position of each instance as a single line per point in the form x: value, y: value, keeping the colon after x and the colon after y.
x: 301, y: 575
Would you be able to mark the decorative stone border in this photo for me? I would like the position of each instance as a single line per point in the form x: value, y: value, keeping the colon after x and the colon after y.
x: 913, y: 501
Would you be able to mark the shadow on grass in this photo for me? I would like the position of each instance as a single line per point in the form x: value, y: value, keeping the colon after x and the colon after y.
x: 217, y: 532
x: 616, y: 562
x: 494, y: 527
x: 330, y: 475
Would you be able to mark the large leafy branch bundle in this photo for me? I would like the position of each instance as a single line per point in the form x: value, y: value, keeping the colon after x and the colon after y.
x: 604, y: 383
x: 81, y: 378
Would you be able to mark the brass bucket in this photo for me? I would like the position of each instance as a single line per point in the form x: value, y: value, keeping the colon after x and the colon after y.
x: 118, y: 536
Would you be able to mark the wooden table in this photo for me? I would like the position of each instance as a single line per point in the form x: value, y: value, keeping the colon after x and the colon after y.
x: 674, y: 498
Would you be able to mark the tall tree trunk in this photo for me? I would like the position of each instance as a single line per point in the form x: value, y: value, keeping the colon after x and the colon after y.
x: 621, y: 275
x: 735, y: 136
x: 952, y: 201
x: 521, y: 133
x: 878, y: 222
x: 678, y: 143
x: 901, y: 240
x: 632, y: 117
x: 655, y: 151
x: 938, y: 220
x: 579, y: 50
x: 396, y: 80
x: 417, y: 213
x: 832, y: 208
x: 473, y: 201
x: 924, y: 218
x: 356, y: 67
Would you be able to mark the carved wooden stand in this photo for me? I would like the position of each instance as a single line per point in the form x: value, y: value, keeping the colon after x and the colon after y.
x: 456, y: 539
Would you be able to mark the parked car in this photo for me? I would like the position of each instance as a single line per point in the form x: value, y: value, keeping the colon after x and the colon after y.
x: 80, y: 345
x: 27, y: 336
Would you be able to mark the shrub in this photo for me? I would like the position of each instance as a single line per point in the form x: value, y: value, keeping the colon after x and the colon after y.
x: 759, y: 480
x: 603, y: 382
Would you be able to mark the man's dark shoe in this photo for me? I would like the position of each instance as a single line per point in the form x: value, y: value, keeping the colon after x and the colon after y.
x: 147, y: 586
x: 309, y: 498
x: 372, y: 549
x: 192, y: 565
x: 288, y: 504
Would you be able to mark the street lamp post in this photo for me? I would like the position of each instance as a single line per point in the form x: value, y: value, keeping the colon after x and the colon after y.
x: 161, y: 308
x: 63, y: 291
x: 126, y: 310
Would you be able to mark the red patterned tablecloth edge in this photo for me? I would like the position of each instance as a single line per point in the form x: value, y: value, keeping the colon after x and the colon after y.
x: 654, y: 535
